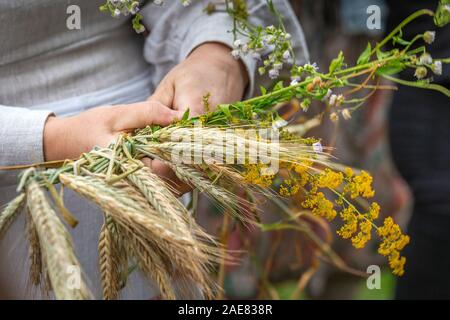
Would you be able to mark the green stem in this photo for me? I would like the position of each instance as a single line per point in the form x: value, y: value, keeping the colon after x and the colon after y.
x: 421, y: 85
x: 412, y: 17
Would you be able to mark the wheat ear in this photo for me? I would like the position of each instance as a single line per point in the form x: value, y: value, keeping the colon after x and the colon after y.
x: 10, y: 212
x: 56, y: 246
x: 160, y: 196
x: 131, y: 209
x: 149, y: 262
x: 217, y: 193
x: 109, y: 259
x: 34, y: 252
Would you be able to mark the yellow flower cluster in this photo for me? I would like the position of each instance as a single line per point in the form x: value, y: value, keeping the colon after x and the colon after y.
x: 357, y: 226
x: 253, y: 175
x: 289, y: 188
x: 364, y: 235
x: 360, y: 185
x: 393, y: 242
x: 351, y: 217
x: 320, y: 206
x: 302, y: 171
x: 328, y: 179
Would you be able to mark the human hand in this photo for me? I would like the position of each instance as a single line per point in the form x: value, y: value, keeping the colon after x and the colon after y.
x: 68, y: 138
x: 209, y: 69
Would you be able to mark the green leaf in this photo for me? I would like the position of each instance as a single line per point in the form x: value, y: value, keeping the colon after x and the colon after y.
x: 400, y: 40
x: 185, y: 115
x: 392, y: 68
x: 263, y: 90
x: 365, y: 55
x: 381, y: 55
x: 225, y: 108
x: 278, y: 86
x: 336, y: 64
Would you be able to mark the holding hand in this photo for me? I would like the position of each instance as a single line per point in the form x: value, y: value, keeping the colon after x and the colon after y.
x: 209, y: 69
x: 68, y: 138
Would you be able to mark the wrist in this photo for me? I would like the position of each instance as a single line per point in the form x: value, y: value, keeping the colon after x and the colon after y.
x: 54, y: 143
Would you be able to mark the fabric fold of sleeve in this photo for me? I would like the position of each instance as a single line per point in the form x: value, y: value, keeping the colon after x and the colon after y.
x: 21, y: 135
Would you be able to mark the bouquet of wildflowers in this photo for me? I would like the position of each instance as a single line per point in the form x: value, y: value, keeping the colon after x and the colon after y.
x: 243, y: 148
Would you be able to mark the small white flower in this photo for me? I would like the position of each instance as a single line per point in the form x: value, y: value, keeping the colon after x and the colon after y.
x: 186, y: 3
x: 294, y: 82
x: 425, y: 58
x: 244, y: 48
x: 429, y: 36
x: 328, y: 95
x: 421, y: 72
x: 237, y: 43
x: 332, y: 100
x: 437, y: 68
x: 346, y: 114
x: 286, y: 55
x: 317, y: 147
x: 134, y: 7
x: 158, y: 2
x: 269, y: 39
x: 270, y: 28
x: 334, y: 117
x: 311, y: 67
x: 236, y: 54
x: 336, y: 100
x: 274, y: 73
x: 287, y: 36
x: 278, y: 66
x: 116, y: 13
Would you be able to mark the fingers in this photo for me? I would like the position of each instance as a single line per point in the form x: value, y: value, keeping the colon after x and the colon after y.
x: 192, y: 101
x: 142, y: 114
x: 164, y: 93
x: 167, y: 175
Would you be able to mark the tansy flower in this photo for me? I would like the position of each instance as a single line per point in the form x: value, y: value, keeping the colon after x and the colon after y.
x: 288, y: 188
x: 373, y: 211
x: 253, y: 175
x: 320, y: 206
x: 393, y: 242
x: 348, y: 172
x: 348, y: 215
x: 329, y: 179
x: 360, y: 240
x: 360, y: 185
x: 303, y: 166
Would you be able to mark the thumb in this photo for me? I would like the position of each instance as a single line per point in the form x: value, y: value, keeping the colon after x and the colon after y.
x: 142, y: 114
